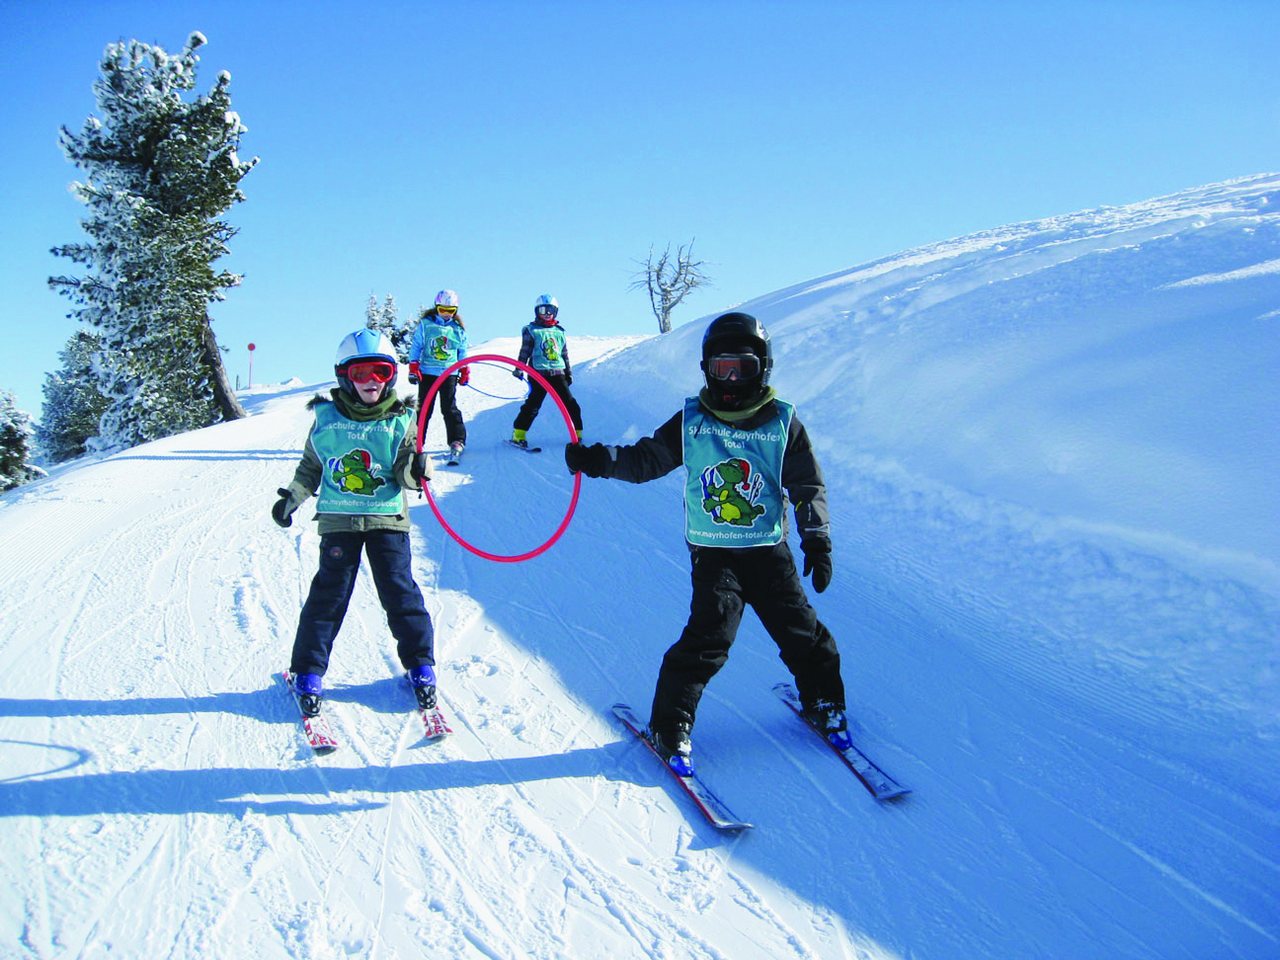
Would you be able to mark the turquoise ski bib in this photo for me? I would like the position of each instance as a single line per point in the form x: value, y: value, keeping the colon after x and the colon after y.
x: 548, y: 348
x: 357, y: 460
x: 444, y: 344
x: 733, y: 494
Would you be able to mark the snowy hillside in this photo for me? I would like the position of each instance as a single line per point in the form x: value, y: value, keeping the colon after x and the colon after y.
x: 1050, y: 451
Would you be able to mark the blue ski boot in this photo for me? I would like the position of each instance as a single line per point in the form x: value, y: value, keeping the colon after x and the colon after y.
x: 673, y: 745
x: 829, y: 720
x: 310, y: 690
x: 422, y: 679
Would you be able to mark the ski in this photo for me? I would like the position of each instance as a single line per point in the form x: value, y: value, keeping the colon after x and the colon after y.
x: 525, y: 449
x: 319, y: 733
x: 708, y: 804
x: 434, y: 725
x: 880, y: 784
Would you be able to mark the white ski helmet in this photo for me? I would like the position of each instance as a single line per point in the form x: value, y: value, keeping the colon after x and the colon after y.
x: 447, y: 298
x: 363, y: 344
x: 545, y: 307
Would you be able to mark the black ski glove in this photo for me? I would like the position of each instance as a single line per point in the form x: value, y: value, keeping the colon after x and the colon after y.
x: 518, y: 374
x: 420, y: 468
x: 593, y: 460
x: 817, y: 561
x: 282, y: 511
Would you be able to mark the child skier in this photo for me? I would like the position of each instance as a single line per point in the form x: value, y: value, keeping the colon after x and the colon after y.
x: 742, y: 448
x: 543, y: 347
x: 439, y: 342
x: 359, y: 456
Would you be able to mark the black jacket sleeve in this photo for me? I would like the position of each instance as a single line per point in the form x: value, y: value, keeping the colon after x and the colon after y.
x: 654, y: 456
x: 802, y: 479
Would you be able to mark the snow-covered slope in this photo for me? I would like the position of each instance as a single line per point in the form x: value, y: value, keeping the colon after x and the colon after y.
x: 1048, y: 450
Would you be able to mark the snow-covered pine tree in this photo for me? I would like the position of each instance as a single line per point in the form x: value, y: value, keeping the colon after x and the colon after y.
x: 160, y: 171
x: 73, y: 404
x: 16, y: 467
x: 386, y: 319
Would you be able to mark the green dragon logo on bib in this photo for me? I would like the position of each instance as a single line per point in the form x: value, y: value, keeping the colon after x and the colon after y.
x: 354, y: 473
x: 439, y: 349
x: 730, y: 490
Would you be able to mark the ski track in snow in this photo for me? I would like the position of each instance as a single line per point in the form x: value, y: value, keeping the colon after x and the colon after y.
x: 201, y: 824
x: 1084, y: 750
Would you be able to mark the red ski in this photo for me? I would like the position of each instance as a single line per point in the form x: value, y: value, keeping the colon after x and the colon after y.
x: 319, y: 733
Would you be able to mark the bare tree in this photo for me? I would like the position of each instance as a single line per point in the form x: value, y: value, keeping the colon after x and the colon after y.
x: 668, y: 281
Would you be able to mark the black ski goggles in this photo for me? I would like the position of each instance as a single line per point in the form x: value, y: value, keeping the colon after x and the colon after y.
x: 733, y: 366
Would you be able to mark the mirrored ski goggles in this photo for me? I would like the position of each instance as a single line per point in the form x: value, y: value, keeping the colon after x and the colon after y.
x: 545, y: 310
x: 376, y: 371
x: 733, y: 366
x: 446, y: 311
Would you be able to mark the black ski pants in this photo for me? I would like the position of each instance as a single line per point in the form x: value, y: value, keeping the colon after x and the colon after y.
x: 724, y: 581
x: 533, y: 403
x: 454, y: 429
x: 391, y: 563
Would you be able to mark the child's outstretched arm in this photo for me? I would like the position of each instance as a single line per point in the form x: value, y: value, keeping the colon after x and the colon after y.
x: 645, y: 460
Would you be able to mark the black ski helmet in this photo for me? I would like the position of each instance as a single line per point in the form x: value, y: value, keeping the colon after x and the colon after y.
x: 737, y: 333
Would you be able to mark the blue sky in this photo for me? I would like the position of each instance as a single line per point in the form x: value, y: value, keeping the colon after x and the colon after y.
x: 507, y: 149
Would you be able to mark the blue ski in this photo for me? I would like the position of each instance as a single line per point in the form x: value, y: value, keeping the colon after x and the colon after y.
x: 708, y: 804
x: 880, y: 784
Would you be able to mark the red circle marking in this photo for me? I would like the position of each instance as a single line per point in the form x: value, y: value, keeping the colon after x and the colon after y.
x: 573, y: 435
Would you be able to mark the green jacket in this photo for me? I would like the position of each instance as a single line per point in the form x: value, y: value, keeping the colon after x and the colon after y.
x: 307, y: 478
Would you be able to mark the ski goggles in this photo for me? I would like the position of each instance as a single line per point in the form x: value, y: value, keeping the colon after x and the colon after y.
x: 545, y: 310
x: 370, y: 371
x: 447, y: 311
x: 733, y: 366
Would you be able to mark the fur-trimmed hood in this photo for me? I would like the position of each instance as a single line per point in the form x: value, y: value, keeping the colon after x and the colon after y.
x: 395, y: 408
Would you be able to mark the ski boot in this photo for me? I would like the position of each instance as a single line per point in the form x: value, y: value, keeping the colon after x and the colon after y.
x: 519, y: 438
x: 673, y: 745
x: 310, y: 690
x: 455, y: 449
x: 829, y: 720
x: 422, y: 679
